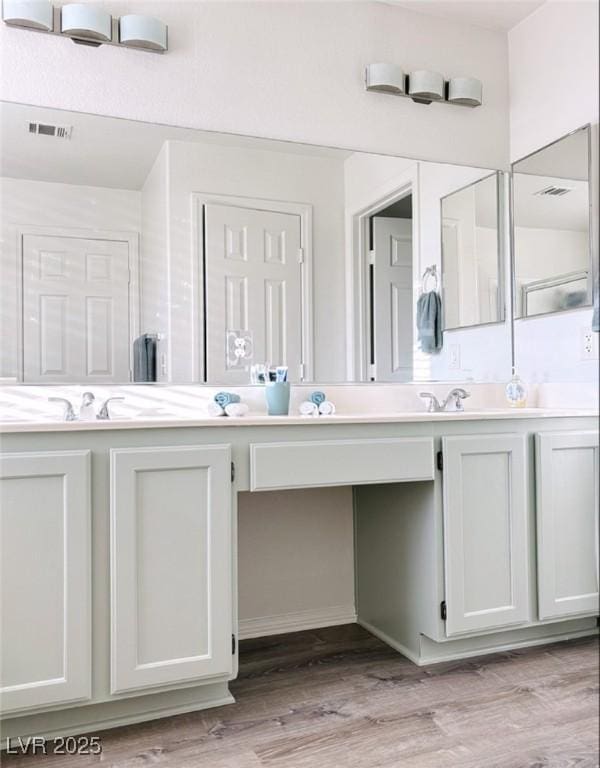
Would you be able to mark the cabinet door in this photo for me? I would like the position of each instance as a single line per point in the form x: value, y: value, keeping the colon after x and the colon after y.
x: 171, y: 601
x: 485, y: 532
x: 45, y: 579
x: 567, y: 523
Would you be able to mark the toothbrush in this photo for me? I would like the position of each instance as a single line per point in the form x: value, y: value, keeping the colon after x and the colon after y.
x: 281, y: 373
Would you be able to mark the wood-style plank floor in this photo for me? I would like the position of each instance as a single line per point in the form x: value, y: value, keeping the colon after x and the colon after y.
x: 339, y: 698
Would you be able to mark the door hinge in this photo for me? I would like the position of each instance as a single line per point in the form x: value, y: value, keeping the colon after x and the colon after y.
x: 443, y: 610
x: 300, y: 255
x: 233, y: 645
x: 302, y: 371
x: 372, y: 372
x: 232, y: 472
x: 440, y: 460
x: 372, y: 258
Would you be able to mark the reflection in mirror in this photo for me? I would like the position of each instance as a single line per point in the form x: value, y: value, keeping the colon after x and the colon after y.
x: 472, y: 264
x: 551, y: 228
x: 140, y: 252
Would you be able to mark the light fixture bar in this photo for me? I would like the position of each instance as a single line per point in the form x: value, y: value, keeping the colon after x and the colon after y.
x: 423, y: 86
x: 87, y: 24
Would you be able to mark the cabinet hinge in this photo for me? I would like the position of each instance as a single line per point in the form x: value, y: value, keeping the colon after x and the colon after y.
x: 233, y: 645
x: 443, y: 610
x: 232, y: 472
x: 440, y: 460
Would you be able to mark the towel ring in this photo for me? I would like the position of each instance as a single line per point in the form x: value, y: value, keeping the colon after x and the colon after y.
x: 430, y: 272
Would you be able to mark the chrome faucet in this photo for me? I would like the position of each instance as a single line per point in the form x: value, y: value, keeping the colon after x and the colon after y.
x: 104, y: 413
x: 454, y: 397
x: 69, y: 413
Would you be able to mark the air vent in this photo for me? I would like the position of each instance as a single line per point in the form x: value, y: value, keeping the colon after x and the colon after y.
x: 44, y: 129
x: 553, y: 191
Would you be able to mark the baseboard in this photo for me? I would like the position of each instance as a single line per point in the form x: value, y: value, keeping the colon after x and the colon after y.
x: 94, y: 718
x: 431, y: 652
x: 296, y: 622
x: 410, y: 655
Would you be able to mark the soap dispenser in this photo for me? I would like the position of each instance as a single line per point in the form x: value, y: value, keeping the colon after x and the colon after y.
x: 516, y: 391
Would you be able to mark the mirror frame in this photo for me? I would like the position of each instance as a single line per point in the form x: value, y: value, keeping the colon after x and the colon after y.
x: 501, y: 255
x: 513, y: 262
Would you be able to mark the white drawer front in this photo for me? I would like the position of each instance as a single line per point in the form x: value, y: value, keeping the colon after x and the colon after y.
x: 340, y: 462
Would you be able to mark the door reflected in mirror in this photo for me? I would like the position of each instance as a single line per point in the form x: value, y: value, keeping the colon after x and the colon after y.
x: 551, y: 228
x: 472, y: 264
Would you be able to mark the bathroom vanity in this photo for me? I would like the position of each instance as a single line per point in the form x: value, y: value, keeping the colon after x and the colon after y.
x: 119, y: 586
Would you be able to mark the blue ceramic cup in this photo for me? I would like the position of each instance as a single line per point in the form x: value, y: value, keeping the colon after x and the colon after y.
x: 277, y: 394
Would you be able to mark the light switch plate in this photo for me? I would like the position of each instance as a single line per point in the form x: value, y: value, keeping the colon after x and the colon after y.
x: 454, y: 361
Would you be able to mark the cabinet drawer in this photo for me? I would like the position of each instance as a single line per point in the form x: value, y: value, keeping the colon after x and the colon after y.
x: 339, y: 462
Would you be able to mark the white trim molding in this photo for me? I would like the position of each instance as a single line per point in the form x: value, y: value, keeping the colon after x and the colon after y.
x: 263, y: 626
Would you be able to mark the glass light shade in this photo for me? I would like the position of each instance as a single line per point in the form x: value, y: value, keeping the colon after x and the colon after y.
x: 386, y: 78
x: 143, y: 32
x: 465, y: 90
x: 32, y: 14
x: 425, y: 86
x: 86, y: 21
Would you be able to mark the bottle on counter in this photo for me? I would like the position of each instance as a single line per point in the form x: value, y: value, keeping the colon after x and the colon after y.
x: 516, y: 391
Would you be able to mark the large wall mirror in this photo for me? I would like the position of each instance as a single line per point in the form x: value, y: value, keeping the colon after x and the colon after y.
x: 472, y: 258
x: 141, y: 252
x: 551, y: 228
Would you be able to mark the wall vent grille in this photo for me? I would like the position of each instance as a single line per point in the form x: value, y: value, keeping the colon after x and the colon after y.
x: 45, y: 129
x: 553, y: 191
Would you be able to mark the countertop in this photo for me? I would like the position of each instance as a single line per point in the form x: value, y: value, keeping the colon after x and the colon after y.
x: 262, y: 420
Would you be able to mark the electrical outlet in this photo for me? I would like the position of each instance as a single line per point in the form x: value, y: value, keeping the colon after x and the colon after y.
x: 454, y: 362
x: 589, y: 344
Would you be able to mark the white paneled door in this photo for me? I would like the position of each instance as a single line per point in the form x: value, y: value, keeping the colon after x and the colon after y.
x: 253, y: 268
x: 171, y: 562
x: 393, y: 299
x: 486, y: 548
x: 75, y: 310
x: 45, y: 579
x: 567, y: 523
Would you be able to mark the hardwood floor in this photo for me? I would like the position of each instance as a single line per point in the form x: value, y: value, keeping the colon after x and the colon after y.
x: 338, y: 697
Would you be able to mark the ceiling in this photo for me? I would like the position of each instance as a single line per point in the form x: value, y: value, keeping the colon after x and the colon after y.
x: 491, y: 14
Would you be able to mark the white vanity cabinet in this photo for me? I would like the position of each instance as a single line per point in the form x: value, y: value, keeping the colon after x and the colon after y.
x: 486, y: 547
x: 45, y: 600
x: 567, y: 523
x: 171, y: 565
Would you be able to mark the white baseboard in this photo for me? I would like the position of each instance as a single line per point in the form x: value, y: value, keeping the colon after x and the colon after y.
x: 296, y: 622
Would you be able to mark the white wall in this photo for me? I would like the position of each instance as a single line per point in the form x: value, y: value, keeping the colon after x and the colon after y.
x: 554, y: 89
x: 296, y: 552
x: 290, y: 70
x: 42, y: 203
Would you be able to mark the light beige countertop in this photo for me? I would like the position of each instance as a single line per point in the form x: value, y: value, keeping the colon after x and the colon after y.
x: 261, y: 419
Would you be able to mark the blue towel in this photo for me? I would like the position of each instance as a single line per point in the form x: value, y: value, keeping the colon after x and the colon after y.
x: 317, y: 398
x: 144, y: 358
x: 226, y: 398
x: 429, y: 321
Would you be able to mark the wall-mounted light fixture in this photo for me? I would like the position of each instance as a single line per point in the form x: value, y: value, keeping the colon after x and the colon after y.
x: 87, y: 23
x: 423, y: 86
x: 465, y: 90
x: 385, y: 78
x: 84, y: 22
x: 143, y: 32
x: 31, y: 14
